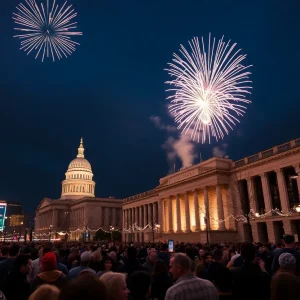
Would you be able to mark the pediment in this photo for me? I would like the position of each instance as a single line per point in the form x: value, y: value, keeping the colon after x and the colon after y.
x: 44, y: 202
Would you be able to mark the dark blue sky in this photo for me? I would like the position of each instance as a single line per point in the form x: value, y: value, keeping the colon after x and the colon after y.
x: 107, y: 90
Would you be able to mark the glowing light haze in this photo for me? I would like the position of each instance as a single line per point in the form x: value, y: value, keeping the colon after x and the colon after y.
x: 47, y: 29
x: 209, y: 88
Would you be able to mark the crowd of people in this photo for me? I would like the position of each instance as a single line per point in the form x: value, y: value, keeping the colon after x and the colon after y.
x: 148, y: 271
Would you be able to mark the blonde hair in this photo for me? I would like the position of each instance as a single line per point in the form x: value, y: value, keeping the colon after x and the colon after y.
x: 45, y: 291
x: 113, y: 282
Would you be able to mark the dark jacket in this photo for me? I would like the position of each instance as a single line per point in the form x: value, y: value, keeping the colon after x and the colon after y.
x: 160, y: 285
x: 55, y: 277
x: 249, y: 282
x: 16, y: 286
x: 149, y: 266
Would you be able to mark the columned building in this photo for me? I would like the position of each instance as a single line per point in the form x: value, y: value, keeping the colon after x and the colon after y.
x: 221, y: 200
x: 77, y: 213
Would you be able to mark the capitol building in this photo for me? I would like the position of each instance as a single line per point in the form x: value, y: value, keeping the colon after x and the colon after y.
x: 255, y: 198
x: 77, y: 213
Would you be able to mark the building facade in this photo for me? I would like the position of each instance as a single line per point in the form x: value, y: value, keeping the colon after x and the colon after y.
x: 78, y: 214
x: 221, y: 200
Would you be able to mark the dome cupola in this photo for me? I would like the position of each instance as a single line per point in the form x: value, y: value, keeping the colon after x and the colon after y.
x: 79, y: 178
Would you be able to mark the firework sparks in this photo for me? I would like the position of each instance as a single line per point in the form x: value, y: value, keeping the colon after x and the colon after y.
x: 209, y: 88
x: 46, y: 30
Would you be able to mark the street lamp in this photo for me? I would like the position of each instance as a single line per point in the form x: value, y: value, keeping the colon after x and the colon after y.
x: 297, y: 209
x: 111, y: 228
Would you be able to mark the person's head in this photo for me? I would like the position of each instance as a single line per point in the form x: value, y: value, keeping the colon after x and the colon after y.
x: 131, y: 252
x: 217, y: 254
x: 97, y: 256
x: 4, y: 251
x: 160, y: 267
x: 107, y: 263
x: 115, y: 284
x: 23, y: 264
x: 208, y: 258
x: 289, y: 240
x: 49, y: 262
x: 248, y: 251
x: 46, y: 250
x: 113, y: 255
x: 284, y: 286
x: 180, y: 264
x: 140, y: 282
x: 45, y: 291
x: 152, y: 254
x: 201, y: 253
x: 87, y: 287
x: 287, y: 263
x: 164, y: 248
x: 85, y: 258
x: 13, y: 250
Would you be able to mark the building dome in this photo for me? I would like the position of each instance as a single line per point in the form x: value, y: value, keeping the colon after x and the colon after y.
x: 80, y: 164
x: 79, y: 178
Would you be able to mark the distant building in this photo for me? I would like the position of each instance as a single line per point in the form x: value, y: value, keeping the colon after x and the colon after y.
x: 77, y: 213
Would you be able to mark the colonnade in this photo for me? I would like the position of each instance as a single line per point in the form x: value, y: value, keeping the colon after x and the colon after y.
x: 267, y: 195
x: 185, y: 212
x: 142, y: 215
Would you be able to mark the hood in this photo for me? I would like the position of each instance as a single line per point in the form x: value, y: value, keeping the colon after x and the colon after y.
x: 50, y: 276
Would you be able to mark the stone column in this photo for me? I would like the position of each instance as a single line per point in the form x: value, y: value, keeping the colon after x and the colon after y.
x: 161, y: 214
x: 266, y: 192
x: 187, y: 212
x: 206, y: 203
x: 145, y: 215
x: 297, y: 170
x: 287, y: 226
x: 155, y: 215
x: 149, y: 221
x: 220, y: 207
x: 54, y: 218
x: 197, y: 214
x: 284, y: 200
x: 252, y: 194
x: 114, y: 216
x: 170, y: 215
x: 106, y: 216
x: 178, y: 215
x: 140, y: 216
x: 133, y: 216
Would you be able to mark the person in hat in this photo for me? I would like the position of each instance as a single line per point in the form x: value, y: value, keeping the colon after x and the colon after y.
x: 85, y: 260
x: 289, y: 247
x: 49, y: 274
x: 287, y: 264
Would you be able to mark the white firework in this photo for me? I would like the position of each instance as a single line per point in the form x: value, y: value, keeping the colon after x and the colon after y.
x: 209, y: 88
x: 46, y: 30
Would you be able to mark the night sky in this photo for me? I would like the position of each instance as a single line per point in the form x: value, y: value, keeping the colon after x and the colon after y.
x: 111, y: 86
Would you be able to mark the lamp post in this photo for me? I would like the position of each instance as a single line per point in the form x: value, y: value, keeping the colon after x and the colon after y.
x: 50, y: 229
x: 111, y: 228
x: 298, y: 209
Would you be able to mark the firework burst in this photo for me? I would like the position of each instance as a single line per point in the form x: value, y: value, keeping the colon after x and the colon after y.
x: 46, y: 30
x: 209, y: 88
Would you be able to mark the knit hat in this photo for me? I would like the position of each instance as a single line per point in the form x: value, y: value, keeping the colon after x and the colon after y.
x: 287, y: 261
x: 49, y: 262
